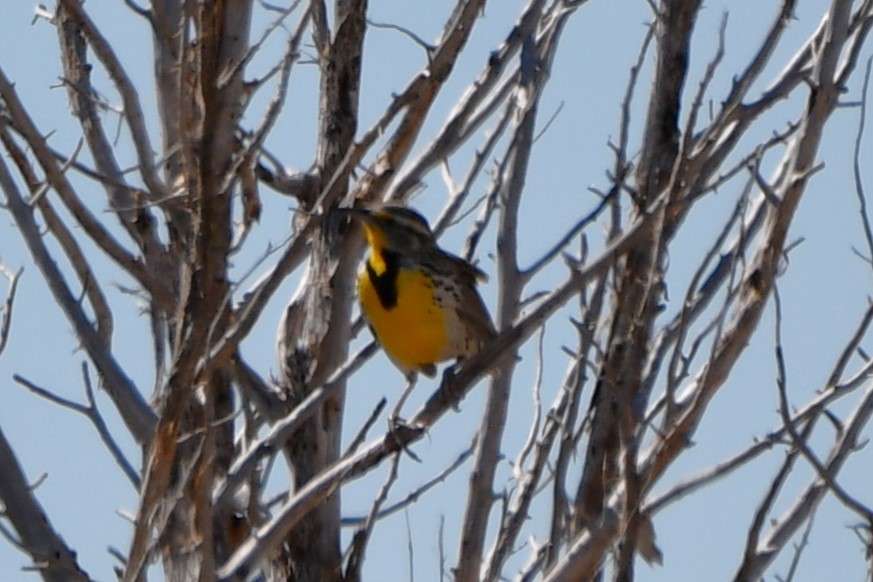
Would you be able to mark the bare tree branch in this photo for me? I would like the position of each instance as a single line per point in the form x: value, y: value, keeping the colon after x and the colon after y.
x: 54, y: 560
x: 6, y: 319
x: 244, y: 469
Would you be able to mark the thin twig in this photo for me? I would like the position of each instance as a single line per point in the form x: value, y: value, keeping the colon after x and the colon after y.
x: 416, y: 494
x: 90, y: 412
x: 6, y: 311
x: 856, y: 165
x: 361, y: 435
x: 362, y: 536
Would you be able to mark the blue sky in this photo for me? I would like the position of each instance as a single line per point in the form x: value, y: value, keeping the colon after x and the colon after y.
x: 824, y: 290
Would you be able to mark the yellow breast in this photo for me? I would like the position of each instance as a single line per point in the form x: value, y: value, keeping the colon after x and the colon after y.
x: 412, y: 332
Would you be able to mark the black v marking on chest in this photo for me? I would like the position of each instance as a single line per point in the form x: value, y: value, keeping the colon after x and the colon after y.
x: 386, y: 283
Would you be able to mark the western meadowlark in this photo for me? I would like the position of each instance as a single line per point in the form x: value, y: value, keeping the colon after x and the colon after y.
x: 420, y: 301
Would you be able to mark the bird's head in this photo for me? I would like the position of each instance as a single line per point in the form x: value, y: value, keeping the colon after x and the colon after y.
x: 394, y: 228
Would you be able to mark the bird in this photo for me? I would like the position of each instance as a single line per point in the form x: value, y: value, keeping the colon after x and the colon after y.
x: 420, y: 301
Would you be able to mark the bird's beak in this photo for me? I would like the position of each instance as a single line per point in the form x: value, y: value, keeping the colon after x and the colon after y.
x: 356, y: 212
x: 365, y: 215
x: 372, y: 232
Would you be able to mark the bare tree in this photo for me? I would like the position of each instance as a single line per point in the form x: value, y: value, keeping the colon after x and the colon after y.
x: 591, y: 476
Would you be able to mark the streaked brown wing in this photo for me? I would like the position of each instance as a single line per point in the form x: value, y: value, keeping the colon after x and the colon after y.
x: 475, y: 317
x: 473, y: 311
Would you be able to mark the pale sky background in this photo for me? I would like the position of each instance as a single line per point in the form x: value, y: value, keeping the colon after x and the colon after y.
x: 824, y: 292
